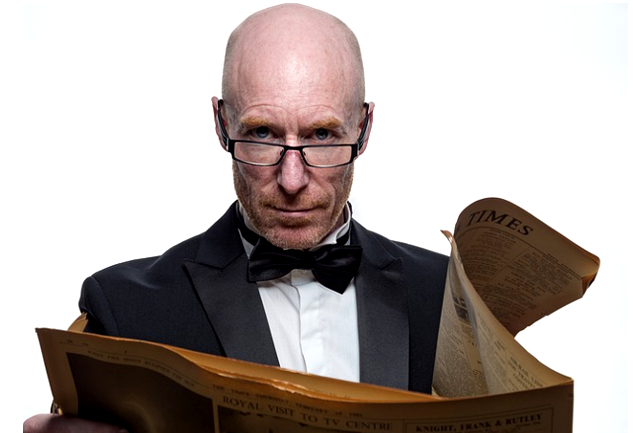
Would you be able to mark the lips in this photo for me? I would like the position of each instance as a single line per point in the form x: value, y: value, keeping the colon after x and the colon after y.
x: 294, y: 208
x: 297, y: 211
x: 302, y: 214
x: 291, y: 217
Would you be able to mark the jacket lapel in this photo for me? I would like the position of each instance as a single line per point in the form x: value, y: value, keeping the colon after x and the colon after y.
x: 232, y: 304
x: 383, y: 319
x: 218, y: 275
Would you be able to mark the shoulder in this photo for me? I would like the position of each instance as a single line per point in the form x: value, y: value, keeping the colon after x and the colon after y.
x: 168, y: 263
x: 416, y: 256
x: 149, y: 299
x: 218, y: 241
x: 129, y: 287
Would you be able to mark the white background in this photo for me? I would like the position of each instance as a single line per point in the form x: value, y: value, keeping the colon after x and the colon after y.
x: 111, y: 154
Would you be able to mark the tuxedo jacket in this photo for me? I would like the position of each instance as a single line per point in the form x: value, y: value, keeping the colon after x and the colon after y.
x: 196, y: 296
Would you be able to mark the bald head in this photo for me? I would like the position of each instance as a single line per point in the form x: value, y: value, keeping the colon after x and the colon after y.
x: 293, y: 75
x: 290, y: 49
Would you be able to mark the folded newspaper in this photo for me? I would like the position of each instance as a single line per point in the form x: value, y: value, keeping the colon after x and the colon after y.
x: 507, y: 269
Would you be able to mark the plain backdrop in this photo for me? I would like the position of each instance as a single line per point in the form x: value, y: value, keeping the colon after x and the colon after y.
x: 111, y: 154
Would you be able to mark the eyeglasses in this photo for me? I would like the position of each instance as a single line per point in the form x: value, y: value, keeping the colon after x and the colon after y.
x: 265, y: 154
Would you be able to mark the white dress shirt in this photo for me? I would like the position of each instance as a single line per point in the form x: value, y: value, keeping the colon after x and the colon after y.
x: 314, y: 329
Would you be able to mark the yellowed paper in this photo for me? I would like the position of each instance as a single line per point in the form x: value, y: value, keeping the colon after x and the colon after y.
x: 155, y: 388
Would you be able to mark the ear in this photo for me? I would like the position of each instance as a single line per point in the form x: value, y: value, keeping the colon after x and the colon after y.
x: 370, y: 120
x: 215, y: 101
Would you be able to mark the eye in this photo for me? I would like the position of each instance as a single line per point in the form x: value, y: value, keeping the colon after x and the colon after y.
x: 262, y: 132
x: 322, y: 134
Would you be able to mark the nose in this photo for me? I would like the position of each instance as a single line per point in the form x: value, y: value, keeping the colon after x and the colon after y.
x: 293, y: 175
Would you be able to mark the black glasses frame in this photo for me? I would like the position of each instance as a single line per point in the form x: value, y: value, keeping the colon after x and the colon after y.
x: 229, y: 144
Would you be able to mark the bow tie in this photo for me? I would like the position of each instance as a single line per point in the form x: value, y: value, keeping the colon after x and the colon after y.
x: 333, y: 265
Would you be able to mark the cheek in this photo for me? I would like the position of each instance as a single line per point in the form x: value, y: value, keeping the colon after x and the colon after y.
x: 337, y: 183
x: 340, y: 177
x: 254, y: 178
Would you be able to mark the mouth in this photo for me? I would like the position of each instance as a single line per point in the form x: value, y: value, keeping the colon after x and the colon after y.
x: 300, y: 212
x: 295, y: 216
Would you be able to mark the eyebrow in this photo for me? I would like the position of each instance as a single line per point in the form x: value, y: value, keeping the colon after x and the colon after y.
x: 247, y: 123
x: 329, y: 123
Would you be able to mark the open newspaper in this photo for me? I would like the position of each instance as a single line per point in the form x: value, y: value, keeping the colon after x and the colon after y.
x: 507, y: 269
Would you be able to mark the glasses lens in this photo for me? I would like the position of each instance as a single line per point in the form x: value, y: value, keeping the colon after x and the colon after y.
x: 255, y: 153
x: 270, y: 154
x: 327, y: 156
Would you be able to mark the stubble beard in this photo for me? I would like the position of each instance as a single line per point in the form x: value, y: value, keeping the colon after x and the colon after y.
x: 293, y: 233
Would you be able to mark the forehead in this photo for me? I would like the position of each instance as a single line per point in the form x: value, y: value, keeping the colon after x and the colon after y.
x: 293, y: 82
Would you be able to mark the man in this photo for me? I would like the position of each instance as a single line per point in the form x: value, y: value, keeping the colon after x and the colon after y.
x: 294, y: 119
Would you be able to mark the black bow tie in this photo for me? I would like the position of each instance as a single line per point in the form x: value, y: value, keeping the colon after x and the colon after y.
x: 334, y: 265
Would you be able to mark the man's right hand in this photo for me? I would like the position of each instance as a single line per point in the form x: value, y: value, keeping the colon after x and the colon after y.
x: 51, y: 423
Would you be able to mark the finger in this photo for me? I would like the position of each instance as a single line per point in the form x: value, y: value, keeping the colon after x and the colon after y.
x: 51, y: 423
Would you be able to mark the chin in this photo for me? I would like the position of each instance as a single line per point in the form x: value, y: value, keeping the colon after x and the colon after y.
x: 297, y: 238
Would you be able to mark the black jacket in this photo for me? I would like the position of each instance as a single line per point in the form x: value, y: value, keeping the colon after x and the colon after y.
x: 196, y: 296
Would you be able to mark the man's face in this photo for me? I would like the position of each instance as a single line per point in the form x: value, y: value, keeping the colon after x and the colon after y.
x: 290, y: 204
x: 293, y: 205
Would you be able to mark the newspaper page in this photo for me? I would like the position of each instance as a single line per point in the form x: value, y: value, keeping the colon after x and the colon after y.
x: 148, y: 387
x: 522, y: 269
x: 476, y: 354
x: 507, y: 269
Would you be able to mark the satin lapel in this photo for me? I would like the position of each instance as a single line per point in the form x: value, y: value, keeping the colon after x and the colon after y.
x: 232, y: 305
x: 383, y: 319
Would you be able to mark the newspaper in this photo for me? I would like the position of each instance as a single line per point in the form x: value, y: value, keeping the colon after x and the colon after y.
x: 507, y: 269
x: 485, y: 381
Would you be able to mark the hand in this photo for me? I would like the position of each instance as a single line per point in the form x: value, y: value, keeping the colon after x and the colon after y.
x: 51, y: 423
